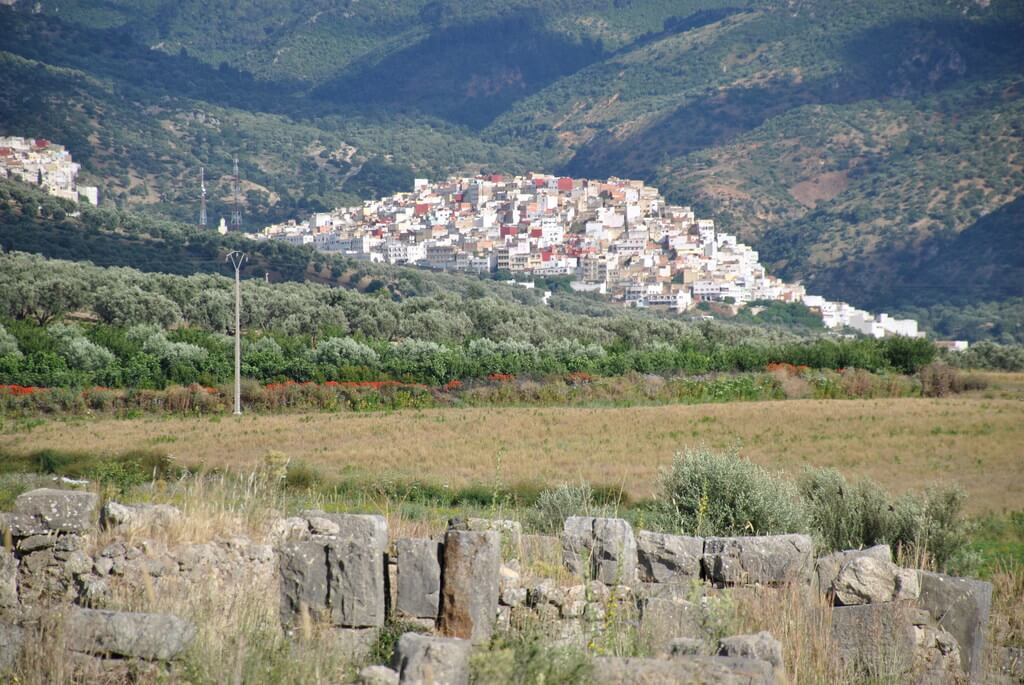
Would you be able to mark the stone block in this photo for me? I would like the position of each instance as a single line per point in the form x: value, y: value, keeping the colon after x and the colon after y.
x: 876, y: 640
x: 155, y: 637
x: 961, y: 606
x: 356, y: 594
x: 378, y: 675
x: 469, y: 584
x: 577, y: 544
x: 664, y: 558
x: 419, y: 578
x: 8, y: 579
x: 47, y: 510
x: 664, y: 620
x: 428, y: 660
x: 827, y: 568
x: 600, y: 548
x: 303, y: 577
x: 865, y: 580
x: 762, y: 645
x: 12, y: 639
x: 768, y: 559
x: 117, y: 516
x: 682, y: 670
x: 511, y: 533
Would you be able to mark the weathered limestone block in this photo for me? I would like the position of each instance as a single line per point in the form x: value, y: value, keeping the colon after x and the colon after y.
x: 867, y: 580
x: 12, y: 639
x: 423, y: 659
x: 469, y: 585
x: 686, y: 646
x: 378, y: 675
x: 664, y: 558
x: 288, y: 529
x: 768, y: 559
x: 355, y: 583
x: 761, y: 646
x: 116, y: 516
x: 353, y: 644
x: 664, y: 620
x: 827, y: 568
x: 577, y: 544
x: 419, y: 578
x: 682, y: 670
x: 46, y: 510
x: 908, y: 584
x: 938, y: 654
x: 961, y: 606
x: 614, y: 552
x: 8, y: 579
x: 131, y: 635
x: 371, y: 529
x: 303, y: 573
x: 511, y: 533
x: 875, y: 639
x: 601, y: 548
x: 341, y: 575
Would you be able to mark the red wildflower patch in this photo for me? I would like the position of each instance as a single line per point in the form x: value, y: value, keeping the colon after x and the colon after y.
x: 789, y: 369
x: 578, y: 378
x: 20, y: 389
x: 501, y: 377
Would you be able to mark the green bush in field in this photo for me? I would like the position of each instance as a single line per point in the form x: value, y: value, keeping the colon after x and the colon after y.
x: 850, y: 515
x: 554, y: 505
x: 709, y: 493
x: 527, y: 656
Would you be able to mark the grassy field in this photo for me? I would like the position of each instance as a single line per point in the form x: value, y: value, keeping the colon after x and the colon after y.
x: 903, y: 444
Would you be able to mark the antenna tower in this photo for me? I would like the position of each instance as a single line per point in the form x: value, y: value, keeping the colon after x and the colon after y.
x: 202, y: 197
x: 236, y: 210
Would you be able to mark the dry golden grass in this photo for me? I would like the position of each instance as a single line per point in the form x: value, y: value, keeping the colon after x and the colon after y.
x: 903, y: 444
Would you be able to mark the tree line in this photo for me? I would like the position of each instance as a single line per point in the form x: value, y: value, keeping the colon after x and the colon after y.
x: 72, y: 324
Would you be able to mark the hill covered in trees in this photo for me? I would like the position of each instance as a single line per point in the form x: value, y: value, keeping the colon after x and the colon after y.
x: 861, y: 147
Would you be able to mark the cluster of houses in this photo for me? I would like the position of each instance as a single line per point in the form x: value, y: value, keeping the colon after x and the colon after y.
x: 42, y: 163
x: 616, y: 237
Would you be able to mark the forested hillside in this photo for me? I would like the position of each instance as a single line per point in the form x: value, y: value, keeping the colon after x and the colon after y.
x: 861, y: 147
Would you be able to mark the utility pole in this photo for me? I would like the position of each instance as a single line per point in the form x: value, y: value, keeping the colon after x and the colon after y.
x: 202, y: 197
x: 236, y: 193
x: 237, y: 259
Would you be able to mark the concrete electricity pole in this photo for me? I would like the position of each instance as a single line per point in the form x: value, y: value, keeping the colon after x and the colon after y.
x: 237, y: 259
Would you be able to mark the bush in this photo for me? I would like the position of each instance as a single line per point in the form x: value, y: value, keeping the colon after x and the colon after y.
x: 528, y: 656
x: 705, y: 493
x: 554, y: 505
x: 845, y: 516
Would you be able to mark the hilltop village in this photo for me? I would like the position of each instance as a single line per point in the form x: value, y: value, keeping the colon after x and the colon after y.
x: 45, y: 164
x: 616, y: 237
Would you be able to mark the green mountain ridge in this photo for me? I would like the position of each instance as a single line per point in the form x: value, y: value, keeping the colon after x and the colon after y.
x: 860, y: 147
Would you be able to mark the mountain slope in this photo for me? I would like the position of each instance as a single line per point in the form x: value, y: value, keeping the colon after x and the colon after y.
x: 851, y: 143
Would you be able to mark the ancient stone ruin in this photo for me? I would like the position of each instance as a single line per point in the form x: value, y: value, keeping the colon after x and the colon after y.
x: 460, y: 588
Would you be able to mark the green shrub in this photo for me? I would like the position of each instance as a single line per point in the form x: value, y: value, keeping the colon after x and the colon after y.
x: 301, y: 476
x: 707, y: 493
x: 849, y: 516
x: 387, y: 639
x: 527, y: 656
x: 554, y: 505
x: 844, y: 515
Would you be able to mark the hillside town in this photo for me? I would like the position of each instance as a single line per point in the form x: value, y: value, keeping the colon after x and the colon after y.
x: 616, y: 237
x: 44, y: 164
